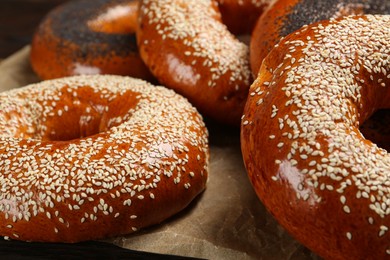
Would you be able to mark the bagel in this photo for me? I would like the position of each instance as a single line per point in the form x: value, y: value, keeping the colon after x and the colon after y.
x: 287, y: 16
x: 90, y: 157
x: 187, y: 48
x: 88, y: 37
x: 305, y: 156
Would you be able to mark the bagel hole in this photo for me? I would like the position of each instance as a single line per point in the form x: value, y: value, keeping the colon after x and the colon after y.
x: 377, y: 129
x: 84, y: 113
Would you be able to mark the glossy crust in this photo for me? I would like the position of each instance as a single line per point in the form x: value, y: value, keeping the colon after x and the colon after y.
x: 90, y: 157
x: 286, y: 16
x: 188, y: 48
x: 240, y: 16
x: 305, y: 156
x: 88, y: 37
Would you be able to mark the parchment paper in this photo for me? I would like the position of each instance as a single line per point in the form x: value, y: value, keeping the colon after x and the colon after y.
x: 226, y: 222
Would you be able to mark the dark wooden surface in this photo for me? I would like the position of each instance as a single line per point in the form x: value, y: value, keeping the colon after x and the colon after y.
x: 15, y: 250
x: 18, y: 20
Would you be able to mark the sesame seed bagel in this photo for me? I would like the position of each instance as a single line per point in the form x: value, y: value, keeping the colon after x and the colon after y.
x: 88, y: 37
x: 240, y: 16
x: 188, y: 48
x: 287, y: 16
x: 89, y: 157
x: 320, y: 178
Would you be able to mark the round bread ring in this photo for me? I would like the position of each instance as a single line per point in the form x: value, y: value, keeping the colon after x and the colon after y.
x: 287, y: 16
x: 305, y: 156
x: 188, y: 48
x: 88, y: 37
x: 240, y: 16
x: 142, y: 157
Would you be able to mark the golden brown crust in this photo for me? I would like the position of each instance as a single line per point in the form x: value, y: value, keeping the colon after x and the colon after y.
x: 285, y: 16
x: 188, y: 49
x: 304, y: 153
x: 84, y: 37
x: 142, y: 157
